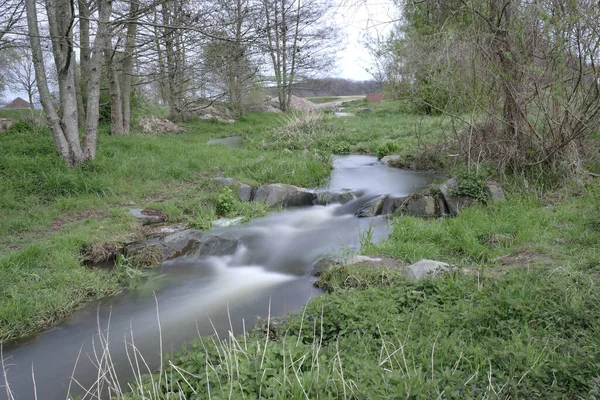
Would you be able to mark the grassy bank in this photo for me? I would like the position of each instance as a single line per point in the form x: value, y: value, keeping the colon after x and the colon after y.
x: 50, y: 212
x: 522, y: 321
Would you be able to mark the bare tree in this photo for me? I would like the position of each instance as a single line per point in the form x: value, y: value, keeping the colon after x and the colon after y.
x: 11, y: 13
x: 20, y: 76
x: 298, y: 40
x: 65, y: 127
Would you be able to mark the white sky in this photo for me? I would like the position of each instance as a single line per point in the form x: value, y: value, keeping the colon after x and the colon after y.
x: 357, y: 18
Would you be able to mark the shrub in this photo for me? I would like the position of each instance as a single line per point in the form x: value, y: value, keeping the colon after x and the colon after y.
x: 471, y: 181
x: 387, y: 148
x: 225, y: 202
x: 21, y: 127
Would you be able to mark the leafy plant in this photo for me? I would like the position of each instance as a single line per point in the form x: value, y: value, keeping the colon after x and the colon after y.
x: 470, y: 182
x: 21, y: 127
x: 387, y: 148
x: 225, y: 202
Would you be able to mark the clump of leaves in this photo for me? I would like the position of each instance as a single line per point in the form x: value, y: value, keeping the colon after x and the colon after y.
x: 21, y: 127
x: 387, y: 148
x: 470, y: 182
x: 225, y: 202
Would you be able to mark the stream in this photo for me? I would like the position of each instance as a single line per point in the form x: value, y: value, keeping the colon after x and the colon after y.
x: 193, y: 296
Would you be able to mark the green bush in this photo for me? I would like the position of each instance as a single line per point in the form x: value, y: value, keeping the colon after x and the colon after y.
x: 471, y: 181
x: 387, y: 148
x: 225, y: 202
x: 21, y: 126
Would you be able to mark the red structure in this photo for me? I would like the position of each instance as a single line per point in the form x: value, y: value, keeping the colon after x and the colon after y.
x: 18, y: 103
x: 375, y: 97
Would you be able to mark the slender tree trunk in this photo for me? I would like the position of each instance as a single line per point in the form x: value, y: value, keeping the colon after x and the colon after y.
x: 128, y: 64
x: 90, y: 137
x: 30, y: 96
x: 172, y: 73
x: 80, y: 102
x: 84, y: 54
x: 117, y: 126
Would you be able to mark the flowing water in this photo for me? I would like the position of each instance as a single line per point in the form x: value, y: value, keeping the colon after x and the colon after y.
x: 193, y: 296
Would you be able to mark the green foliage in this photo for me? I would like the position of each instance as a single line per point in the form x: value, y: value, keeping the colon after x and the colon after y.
x: 323, y: 99
x: 387, y: 148
x: 20, y: 127
x: 225, y: 202
x: 471, y: 181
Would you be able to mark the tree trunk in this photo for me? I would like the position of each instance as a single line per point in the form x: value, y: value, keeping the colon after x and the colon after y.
x: 60, y: 20
x: 128, y: 64
x: 117, y: 126
x: 84, y: 54
x: 172, y: 63
x: 90, y: 137
x: 54, y: 121
x: 80, y: 102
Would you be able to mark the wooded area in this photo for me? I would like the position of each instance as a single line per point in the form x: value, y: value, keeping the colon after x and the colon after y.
x: 523, y: 75
x: 183, y: 54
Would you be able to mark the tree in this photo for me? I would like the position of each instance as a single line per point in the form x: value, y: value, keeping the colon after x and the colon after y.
x: 229, y: 50
x: 298, y: 41
x: 526, y: 70
x: 11, y: 14
x: 20, y: 76
x: 65, y: 126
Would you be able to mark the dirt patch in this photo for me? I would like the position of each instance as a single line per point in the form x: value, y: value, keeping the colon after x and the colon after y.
x: 524, y: 258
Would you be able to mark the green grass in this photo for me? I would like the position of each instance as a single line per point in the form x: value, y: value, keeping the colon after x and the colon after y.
x: 51, y: 211
x: 365, y: 133
x: 19, y: 113
x: 324, y: 99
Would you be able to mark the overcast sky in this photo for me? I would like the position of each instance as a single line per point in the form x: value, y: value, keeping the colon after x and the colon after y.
x: 357, y: 19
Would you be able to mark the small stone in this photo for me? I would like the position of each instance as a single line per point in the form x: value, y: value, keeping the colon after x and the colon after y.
x: 278, y: 194
x: 455, y: 203
x: 215, y: 246
x: 390, y: 158
x: 494, y: 192
x: 224, y: 181
x: 323, y: 265
x: 499, y: 239
x: 147, y: 216
x: 421, y: 206
x: 362, y: 259
x: 392, y: 204
x: 341, y: 197
x: 426, y: 269
x: 246, y: 192
x: 371, y: 208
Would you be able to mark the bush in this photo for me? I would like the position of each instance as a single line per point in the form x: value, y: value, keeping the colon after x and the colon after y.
x: 471, y: 181
x: 21, y: 127
x: 387, y: 148
x: 225, y: 202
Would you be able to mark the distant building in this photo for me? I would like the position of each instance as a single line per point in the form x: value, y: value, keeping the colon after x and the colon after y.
x: 375, y: 97
x: 18, y: 103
